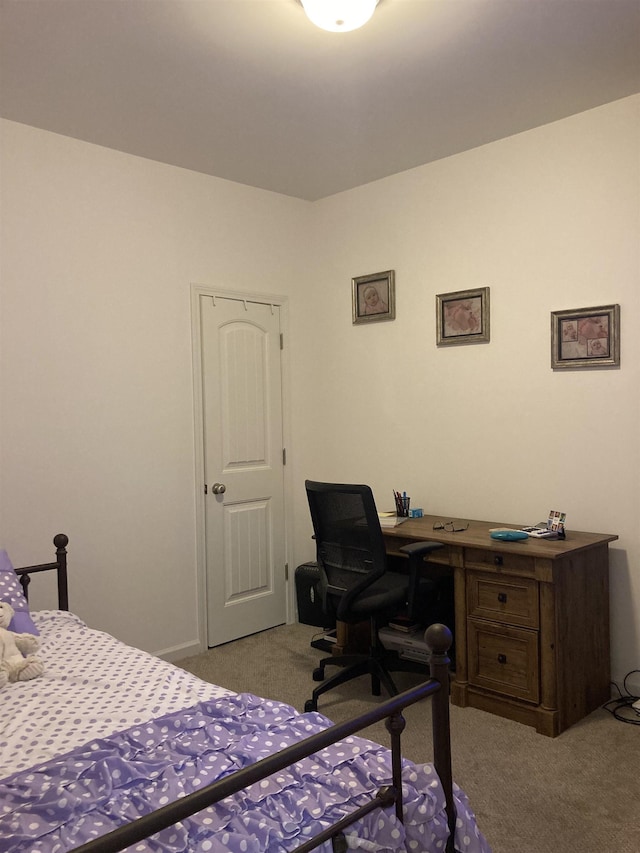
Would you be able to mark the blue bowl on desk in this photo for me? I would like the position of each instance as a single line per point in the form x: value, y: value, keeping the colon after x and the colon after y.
x: 509, y: 535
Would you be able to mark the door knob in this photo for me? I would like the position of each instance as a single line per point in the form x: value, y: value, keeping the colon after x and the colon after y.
x: 218, y: 488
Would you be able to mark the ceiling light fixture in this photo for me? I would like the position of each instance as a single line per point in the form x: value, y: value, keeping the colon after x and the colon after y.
x: 339, y: 16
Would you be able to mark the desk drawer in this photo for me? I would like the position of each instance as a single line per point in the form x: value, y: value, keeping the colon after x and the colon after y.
x: 499, y: 561
x: 510, y: 600
x: 503, y: 659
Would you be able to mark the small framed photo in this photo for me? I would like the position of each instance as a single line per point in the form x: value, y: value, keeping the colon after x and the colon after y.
x: 586, y: 337
x: 374, y: 297
x: 462, y: 317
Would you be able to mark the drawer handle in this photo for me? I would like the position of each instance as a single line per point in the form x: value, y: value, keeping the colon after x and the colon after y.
x: 502, y: 658
x: 502, y: 597
x: 498, y: 560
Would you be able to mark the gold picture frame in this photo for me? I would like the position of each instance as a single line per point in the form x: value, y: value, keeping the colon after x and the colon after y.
x: 462, y: 317
x: 585, y: 337
x: 373, y: 297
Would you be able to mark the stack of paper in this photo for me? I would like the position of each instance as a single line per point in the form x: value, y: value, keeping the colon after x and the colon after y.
x: 390, y: 519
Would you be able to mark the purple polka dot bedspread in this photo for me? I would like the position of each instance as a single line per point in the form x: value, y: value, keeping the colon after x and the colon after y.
x: 109, y: 733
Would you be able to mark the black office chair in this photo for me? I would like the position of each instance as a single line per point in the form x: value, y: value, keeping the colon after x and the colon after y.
x: 354, y: 579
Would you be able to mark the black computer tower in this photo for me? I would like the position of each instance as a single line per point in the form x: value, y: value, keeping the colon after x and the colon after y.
x: 310, y: 610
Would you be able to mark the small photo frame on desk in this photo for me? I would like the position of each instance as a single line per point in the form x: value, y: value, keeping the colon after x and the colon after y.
x: 462, y: 317
x: 373, y: 297
x: 586, y: 337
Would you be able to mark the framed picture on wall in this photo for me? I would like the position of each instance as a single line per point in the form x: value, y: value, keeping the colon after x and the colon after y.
x: 586, y: 337
x: 462, y: 317
x: 373, y: 297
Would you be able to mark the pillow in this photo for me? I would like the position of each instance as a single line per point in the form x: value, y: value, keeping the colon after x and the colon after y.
x: 11, y: 591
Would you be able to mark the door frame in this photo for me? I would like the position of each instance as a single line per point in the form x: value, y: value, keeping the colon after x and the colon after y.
x: 282, y: 302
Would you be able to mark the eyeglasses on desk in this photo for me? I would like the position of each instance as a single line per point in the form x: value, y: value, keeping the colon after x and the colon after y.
x: 450, y: 526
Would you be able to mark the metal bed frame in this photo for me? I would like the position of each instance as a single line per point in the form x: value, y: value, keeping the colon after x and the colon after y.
x: 439, y: 639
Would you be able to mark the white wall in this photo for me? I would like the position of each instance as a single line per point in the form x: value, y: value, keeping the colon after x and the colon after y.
x: 99, y: 249
x: 97, y: 435
x: 549, y: 220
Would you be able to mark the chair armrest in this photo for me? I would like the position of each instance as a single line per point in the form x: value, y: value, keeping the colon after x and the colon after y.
x: 419, y: 549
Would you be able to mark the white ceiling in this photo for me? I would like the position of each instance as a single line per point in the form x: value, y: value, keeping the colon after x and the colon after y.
x: 251, y: 91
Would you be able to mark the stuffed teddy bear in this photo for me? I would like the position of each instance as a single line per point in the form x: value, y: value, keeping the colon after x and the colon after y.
x: 17, y: 661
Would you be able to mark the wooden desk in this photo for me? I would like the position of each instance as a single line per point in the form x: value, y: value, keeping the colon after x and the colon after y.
x: 532, y: 620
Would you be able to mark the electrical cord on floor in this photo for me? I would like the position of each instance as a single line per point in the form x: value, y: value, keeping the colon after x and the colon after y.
x: 622, y: 707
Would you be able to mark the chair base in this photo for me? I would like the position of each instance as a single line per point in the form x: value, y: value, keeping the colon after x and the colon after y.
x: 352, y: 666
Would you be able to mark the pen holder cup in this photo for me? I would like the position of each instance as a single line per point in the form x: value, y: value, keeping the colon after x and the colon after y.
x: 403, y: 507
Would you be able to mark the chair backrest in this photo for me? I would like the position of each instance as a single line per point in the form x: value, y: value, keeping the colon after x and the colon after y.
x: 349, y: 544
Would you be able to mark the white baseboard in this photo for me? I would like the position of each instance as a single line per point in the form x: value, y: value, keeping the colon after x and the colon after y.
x: 632, y: 684
x: 176, y: 653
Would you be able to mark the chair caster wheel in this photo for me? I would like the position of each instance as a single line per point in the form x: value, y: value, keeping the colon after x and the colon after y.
x: 310, y: 705
x: 318, y: 674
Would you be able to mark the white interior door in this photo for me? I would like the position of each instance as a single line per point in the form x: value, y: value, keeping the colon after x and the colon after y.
x: 244, y: 467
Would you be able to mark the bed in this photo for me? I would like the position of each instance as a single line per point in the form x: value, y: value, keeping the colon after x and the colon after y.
x: 112, y: 748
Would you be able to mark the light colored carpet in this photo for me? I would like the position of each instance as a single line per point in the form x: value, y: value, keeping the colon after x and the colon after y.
x: 577, y: 793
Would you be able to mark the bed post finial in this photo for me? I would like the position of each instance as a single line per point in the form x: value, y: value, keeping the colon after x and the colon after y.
x: 61, y: 540
x: 439, y: 639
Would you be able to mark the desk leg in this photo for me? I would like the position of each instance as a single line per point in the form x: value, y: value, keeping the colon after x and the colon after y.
x: 548, y: 687
x: 461, y: 681
x: 548, y: 714
x: 352, y: 638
